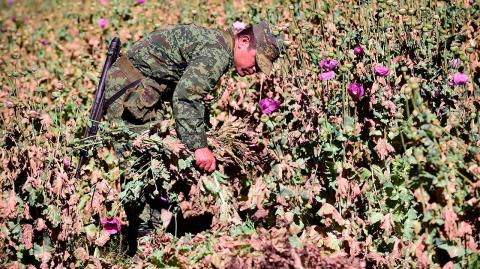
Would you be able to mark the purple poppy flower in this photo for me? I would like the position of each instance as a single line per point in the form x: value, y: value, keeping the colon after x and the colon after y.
x: 13, y: 18
x: 327, y: 75
x: 358, y: 51
x: 328, y: 64
x: 103, y: 23
x: 111, y: 225
x: 268, y: 106
x: 44, y: 41
x: 164, y: 197
x: 460, y: 79
x: 103, y: 2
x: 356, y: 91
x: 66, y: 163
x: 455, y: 63
x: 238, y: 25
x: 381, y: 71
x: 10, y: 2
x: 140, y: 2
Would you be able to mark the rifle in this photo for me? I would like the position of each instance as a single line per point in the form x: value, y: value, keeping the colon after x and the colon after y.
x: 98, y: 105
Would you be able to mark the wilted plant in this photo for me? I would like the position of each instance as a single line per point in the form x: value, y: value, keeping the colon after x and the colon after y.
x: 389, y: 177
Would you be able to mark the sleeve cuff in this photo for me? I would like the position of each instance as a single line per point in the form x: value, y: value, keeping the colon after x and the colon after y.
x: 194, y: 141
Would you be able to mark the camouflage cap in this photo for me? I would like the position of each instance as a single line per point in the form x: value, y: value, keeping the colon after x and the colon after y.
x: 268, y: 47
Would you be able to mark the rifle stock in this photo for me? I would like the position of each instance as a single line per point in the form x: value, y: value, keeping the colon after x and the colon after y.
x: 97, y: 109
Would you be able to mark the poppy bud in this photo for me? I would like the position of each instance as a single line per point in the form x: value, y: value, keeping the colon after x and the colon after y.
x: 358, y: 51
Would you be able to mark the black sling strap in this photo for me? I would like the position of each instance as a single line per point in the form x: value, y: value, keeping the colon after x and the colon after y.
x: 120, y: 93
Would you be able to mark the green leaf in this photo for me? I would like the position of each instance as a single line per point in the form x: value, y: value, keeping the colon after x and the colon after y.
x: 270, y: 125
x: 286, y: 191
x: 53, y: 214
x: 211, y: 186
x: 453, y: 251
x: 333, y: 243
x: 412, y: 214
x: 388, y: 185
x: 83, y: 201
x: 294, y: 241
x: 182, y: 164
x: 39, y: 251
x: 364, y: 173
x: 377, y: 171
x: 375, y: 133
x: 375, y: 217
x: 219, y: 177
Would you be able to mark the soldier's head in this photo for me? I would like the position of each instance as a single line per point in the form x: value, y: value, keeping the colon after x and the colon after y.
x: 244, y: 52
x: 255, y: 49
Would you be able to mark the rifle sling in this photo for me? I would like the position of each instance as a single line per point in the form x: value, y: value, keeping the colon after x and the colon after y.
x: 112, y: 99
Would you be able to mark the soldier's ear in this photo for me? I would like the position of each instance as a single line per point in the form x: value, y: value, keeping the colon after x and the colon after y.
x: 243, y: 42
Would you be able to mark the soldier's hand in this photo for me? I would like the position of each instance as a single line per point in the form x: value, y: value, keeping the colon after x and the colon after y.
x: 205, y: 160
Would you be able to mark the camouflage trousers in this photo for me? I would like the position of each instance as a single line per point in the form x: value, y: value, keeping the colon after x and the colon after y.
x: 140, y: 110
x: 150, y: 210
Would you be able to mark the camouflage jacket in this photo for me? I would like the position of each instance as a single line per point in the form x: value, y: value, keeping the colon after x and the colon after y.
x: 193, y: 58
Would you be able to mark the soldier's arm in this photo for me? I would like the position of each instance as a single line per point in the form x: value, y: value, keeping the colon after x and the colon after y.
x: 198, y: 79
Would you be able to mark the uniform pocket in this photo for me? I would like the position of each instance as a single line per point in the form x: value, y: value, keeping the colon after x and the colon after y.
x: 148, y: 97
x: 140, y: 104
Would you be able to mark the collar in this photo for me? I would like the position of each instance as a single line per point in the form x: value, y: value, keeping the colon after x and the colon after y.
x: 230, y: 41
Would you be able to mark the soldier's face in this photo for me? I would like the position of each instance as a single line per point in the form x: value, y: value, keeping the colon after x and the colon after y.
x: 243, y: 57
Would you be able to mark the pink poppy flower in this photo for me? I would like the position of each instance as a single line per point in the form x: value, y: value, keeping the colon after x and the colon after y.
x: 328, y: 64
x: 44, y: 41
x: 358, y: 51
x: 238, y: 25
x: 66, y: 163
x: 103, y: 2
x: 381, y: 71
x: 460, y: 79
x: 327, y: 75
x: 111, y: 225
x: 356, y: 91
x: 103, y: 23
x: 140, y: 2
x: 268, y: 106
x: 10, y: 2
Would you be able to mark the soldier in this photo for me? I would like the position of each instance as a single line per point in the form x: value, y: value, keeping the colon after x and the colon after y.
x: 186, y: 61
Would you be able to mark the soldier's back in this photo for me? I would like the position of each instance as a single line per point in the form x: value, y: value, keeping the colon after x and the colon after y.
x: 165, y: 53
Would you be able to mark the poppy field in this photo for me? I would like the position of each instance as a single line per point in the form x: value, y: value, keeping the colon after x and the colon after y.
x: 360, y: 150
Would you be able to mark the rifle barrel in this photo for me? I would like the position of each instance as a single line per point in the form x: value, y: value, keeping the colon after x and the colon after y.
x: 96, y: 112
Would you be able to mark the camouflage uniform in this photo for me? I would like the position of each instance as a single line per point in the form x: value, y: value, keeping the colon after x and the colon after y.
x: 185, y: 59
x: 188, y: 58
x: 184, y: 62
